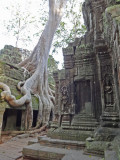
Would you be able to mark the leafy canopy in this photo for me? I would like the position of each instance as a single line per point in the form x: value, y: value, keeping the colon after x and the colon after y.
x: 26, y: 24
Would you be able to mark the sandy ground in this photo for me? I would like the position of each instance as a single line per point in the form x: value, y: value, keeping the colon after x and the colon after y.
x: 5, y: 138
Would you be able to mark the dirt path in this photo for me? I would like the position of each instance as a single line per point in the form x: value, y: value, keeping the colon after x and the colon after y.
x: 12, y: 149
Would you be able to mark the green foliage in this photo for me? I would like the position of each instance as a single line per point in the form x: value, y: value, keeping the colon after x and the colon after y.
x: 26, y: 26
x: 70, y: 27
x: 52, y: 66
x: 22, y: 22
x: 35, y: 102
x: 112, y: 8
x: 18, y: 25
x: 18, y: 97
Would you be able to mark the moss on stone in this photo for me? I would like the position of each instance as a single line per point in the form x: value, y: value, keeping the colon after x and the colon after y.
x: 35, y: 103
x: 2, y: 62
x: 114, y: 10
x: 18, y: 96
x: 82, y: 46
x: 105, y: 24
x: 109, y: 9
x: 118, y: 19
x: 0, y: 96
x: 11, y: 75
x: 62, y: 74
x: 97, y: 145
x: 10, y: 54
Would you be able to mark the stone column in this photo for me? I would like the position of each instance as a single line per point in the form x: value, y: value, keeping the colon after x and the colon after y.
x: 23, y: 120
x: 67, y: 85
x: 98, y: 8
x: 56, y: 113
x: 110, y: 117
x: 2, y: 110
x: 64, y: 100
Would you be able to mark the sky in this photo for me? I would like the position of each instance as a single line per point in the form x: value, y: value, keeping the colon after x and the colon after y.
x: 33, y: 7
x: 6, y: 38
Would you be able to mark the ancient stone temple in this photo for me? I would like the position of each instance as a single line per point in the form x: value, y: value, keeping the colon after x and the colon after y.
x: 13, y: 118
x: 87, y: 90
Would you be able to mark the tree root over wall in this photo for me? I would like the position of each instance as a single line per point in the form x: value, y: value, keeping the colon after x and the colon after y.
x: 26, y: 99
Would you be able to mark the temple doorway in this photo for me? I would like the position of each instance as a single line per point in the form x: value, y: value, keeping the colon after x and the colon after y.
x: 83, y: 96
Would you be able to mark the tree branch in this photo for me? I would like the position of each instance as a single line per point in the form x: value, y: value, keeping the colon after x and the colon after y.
x: 51, y: 7
x: 60, y: 7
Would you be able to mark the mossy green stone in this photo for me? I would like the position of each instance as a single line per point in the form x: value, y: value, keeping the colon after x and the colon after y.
x: 114, y: 10
x: 35, y: 103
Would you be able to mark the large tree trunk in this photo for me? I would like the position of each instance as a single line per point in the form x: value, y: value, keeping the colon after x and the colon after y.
x: 36, y: 64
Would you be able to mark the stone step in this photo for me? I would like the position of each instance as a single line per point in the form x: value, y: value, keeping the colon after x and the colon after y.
x: 38, y: 151
x: 82, y: 128
x: 84, y: 115
x: 111, y: 155
x: 33, y: 141
x: 95, y: 153
x: 85, y: 119
x: 85, y: 123
x: 81, y: 157
x: 54, y: 124
x: 66, y: 144
x: 80, y: 125
x: 71, y: 134
x: 96, y: 147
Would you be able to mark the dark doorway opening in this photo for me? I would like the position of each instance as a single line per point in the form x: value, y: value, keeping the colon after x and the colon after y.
x: 83, y: 95
x: 18, y: 119
x: 4, y: 119
x: 12, y: 119
x: 51, y: 115
x: 35, y: 113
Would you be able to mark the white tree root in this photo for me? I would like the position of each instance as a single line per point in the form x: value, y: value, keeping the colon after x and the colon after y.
x: 43, y: 128
x: 45, y: 105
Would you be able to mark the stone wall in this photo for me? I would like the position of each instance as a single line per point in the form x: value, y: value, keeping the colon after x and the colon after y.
x: 89, y: 85
x: 12, y: 54
x: 11, y: 74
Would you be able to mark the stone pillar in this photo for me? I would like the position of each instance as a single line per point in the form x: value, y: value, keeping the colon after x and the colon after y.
x: 56, y: 113
x: 110, y: 117
x: 98, y: 8
x: 2, y: 110
x: 23, y: 120
x: 67, y: 88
